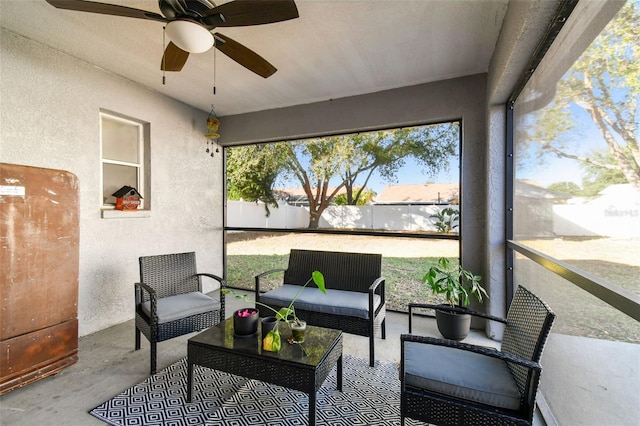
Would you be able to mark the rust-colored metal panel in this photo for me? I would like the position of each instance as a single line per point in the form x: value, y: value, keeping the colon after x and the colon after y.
x: 39, y: 354
x: 39, y: 252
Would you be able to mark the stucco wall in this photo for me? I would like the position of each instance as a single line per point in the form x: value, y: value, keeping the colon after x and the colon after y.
x: 49, y: 118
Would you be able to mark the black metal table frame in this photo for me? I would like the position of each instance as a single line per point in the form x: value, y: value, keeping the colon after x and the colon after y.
x: 267, y: 367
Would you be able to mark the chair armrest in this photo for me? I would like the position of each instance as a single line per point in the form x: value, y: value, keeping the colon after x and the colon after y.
x: 223, y: 284
x: 378, y: 285
x: 220, y: 280
x: 483, y: 350
x: 140, y: 288
x: 413, y: 306
x: 264, y: 274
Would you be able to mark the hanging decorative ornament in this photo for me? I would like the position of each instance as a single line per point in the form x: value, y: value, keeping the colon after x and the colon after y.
x: 212, y: 131
x: 212, y: 120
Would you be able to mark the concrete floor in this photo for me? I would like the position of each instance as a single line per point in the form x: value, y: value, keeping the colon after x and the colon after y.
x: 108, y: 365
x: 603, y: 377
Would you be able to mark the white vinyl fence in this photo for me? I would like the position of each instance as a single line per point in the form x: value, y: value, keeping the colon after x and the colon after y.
x: 396, y: 218
x: 615, y: 214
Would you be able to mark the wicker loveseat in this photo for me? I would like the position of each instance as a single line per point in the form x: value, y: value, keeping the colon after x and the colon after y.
x: 354, y: 303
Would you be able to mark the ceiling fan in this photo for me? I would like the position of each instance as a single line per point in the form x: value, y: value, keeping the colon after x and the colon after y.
x: 190, y: 22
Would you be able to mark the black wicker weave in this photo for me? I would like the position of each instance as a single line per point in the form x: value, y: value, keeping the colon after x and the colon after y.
x: 527, y: 327
x: 168, y: 275
x: 359, y: 272
x: 299, y: 367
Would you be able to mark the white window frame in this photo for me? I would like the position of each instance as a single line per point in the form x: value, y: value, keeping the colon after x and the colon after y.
x: 139, y: 165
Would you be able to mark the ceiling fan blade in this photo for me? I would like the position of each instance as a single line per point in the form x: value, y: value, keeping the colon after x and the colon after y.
x: 105, y: 9
x: 244, y: 56
x: 241, y: 13
x: 174, y: 58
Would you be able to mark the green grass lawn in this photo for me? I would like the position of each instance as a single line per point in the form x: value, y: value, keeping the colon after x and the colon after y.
x: 579, y: 313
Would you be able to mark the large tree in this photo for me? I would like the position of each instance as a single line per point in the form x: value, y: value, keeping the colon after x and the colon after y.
x: 387, y: 152
x: 604, y: 83
x: 596, y: 178
x: 325, y: 166
x: 252, y: 172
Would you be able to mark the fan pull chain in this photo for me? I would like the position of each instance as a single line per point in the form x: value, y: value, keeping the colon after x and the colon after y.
x: 164, y: 59
x: 214, y: 92
x: 214, y: 68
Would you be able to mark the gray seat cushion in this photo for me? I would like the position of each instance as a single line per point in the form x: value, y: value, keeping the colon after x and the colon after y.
x: 336, y: 302
x: 461, y: 374
x: 181, y: 306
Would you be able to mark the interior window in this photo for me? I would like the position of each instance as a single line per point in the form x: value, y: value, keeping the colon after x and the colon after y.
x: 122, y: 147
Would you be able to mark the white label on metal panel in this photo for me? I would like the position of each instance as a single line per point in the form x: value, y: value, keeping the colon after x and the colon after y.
x: 13, y: 191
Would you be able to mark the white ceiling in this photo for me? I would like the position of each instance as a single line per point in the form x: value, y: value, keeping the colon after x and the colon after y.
x: 336, y: 48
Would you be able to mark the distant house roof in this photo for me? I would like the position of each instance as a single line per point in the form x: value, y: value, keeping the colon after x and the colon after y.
x: 436, y: 193
x: 532, y: 189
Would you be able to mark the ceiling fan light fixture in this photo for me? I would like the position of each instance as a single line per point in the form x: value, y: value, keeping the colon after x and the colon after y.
x: 189, y: 36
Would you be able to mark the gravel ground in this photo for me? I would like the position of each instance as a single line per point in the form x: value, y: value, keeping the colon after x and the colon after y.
x: 625, y: 251
x: 619, y: 250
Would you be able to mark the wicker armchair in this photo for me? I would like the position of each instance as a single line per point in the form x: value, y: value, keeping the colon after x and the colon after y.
x: 169, y: 301
x: 444, y: 382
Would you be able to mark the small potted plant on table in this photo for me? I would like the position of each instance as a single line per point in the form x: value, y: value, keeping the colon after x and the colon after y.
x: 271, y: 341
x: 456, y: 284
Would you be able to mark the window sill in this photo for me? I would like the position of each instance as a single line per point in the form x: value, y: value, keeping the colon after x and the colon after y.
x: 125, y: 214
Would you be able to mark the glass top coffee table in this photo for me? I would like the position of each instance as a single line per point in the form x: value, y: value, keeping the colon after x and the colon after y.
x: 300, y: 367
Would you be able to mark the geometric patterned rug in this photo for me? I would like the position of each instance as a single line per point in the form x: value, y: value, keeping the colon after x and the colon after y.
x: 370, y: 396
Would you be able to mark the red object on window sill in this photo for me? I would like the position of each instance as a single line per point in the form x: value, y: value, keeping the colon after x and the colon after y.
x: 127, y: 198
x: 127, y: 203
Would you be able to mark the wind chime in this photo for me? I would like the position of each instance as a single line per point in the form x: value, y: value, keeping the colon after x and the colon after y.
x: 212, y: 132
x: 212, y: 120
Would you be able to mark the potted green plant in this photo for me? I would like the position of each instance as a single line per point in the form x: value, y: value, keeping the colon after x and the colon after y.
x: 457, y: 285
x: 271, y: 341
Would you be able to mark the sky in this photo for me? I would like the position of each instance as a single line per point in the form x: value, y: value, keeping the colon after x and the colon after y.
x: 411, y: 174
x: 556, y: 170
x: 583, y: 141
x: 551, y: 170
x: 585, y: 136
